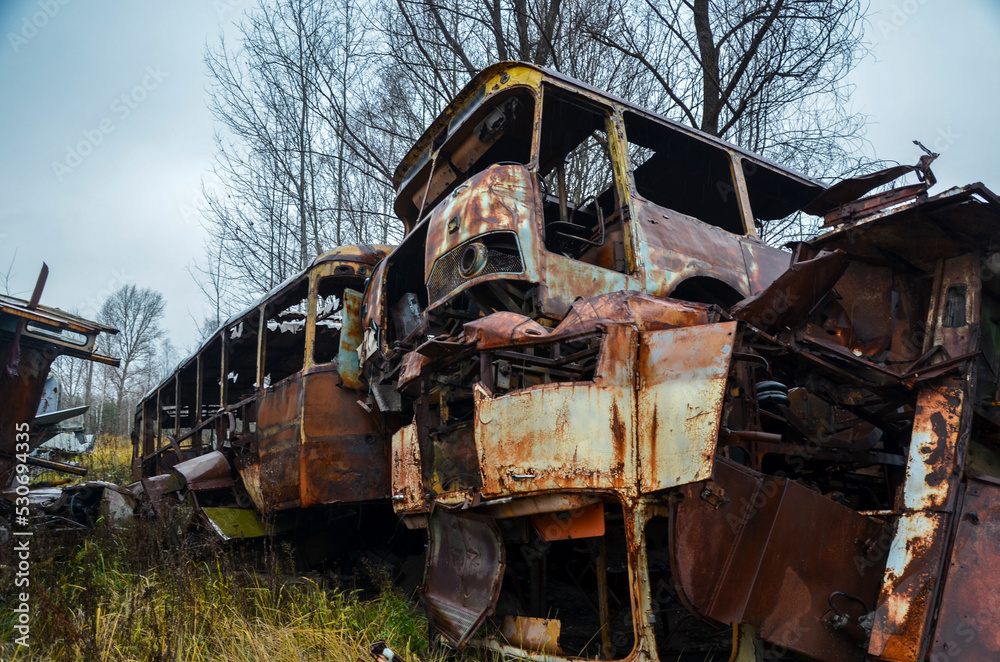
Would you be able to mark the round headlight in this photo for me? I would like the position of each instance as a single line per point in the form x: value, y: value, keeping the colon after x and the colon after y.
x: 473, y: 260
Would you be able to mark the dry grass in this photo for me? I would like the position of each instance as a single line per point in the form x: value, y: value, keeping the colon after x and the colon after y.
x: 111, y: 461
x: 130, y: 595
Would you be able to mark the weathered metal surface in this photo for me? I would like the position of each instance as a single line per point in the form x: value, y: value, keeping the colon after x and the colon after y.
x: 764, y: 263
x: 543, y: 503
x: 578, y: 435
x: 343, y: 457
x: 502, y: 329
x: 771, y: 555
x: 279, y: 431
x: 675, y: 247
x: 465, y: 564
x: 746, y: 646
x: 205, y: 472
x: 501, y: 198
x: 357, y: 259
x: 794, y: 293
x: 20, y: 394
x: 914, y: 562
x: 351, y: 337
x: 682, y: 381
x: 966, y: 622
x: 230, y: 523
x: 31, y: 337
x: 73, y: 335
x: 533, y: 634
x: 849, y: 190
x: 935, y: 449
x: 938, y: 445
x: 567, y: 279
x: 407, y: 491
x: 644, y: 311
x: 584, y: 522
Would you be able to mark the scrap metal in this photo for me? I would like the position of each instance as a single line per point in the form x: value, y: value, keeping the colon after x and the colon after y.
x: 779, y: 442
x: 629, y: 429
x: 31, y: 337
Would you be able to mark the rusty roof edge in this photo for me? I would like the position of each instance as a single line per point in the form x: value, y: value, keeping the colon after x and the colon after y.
x: 355, y: 253
x: 467, y: 92
x: 952, y: 195
x: 57, y: 315
x: 338, y: 254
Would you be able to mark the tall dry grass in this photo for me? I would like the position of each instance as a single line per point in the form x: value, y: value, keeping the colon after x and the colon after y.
x: 130, y: 595
x: 111, y: 461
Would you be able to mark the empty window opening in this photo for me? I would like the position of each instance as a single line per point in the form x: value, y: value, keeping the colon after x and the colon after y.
x: 284, y: 333
x: 329, y: 319
x: 497, y: 133
x: 678, y: 171
x: 576, y: 174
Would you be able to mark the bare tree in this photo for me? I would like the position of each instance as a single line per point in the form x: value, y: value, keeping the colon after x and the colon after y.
x: 768, y: 75
x: 261, y: 96
x: 320, y: 99
x: 293, y: 187
x: 6, y: 276
x: 136, y: 313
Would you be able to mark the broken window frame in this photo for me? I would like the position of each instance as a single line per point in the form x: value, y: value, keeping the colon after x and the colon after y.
x: 589, y: 248
x: 732, y: 163
x: 416, y: 198
x: 292, y: 295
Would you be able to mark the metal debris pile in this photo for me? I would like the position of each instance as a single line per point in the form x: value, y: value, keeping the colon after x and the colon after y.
x: 626, y: 428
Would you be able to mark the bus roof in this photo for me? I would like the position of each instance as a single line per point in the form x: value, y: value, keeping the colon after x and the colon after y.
x: 467, y: 98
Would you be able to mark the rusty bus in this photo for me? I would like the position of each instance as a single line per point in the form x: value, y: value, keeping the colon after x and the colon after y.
x: 633, y: 431
x: 261, y: 432
x: 630, y: 429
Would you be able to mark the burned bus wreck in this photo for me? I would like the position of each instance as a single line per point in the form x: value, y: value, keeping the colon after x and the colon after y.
x: 633, y: 431
x: 31, y: 337
x: 261, y: 431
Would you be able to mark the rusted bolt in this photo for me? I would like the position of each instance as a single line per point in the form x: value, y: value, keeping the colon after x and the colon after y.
x: 837, y: 621
x: 974, y: 517
x: 504, y: 77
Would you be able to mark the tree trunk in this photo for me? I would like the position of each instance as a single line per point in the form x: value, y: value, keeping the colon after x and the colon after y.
x: 709, y: 53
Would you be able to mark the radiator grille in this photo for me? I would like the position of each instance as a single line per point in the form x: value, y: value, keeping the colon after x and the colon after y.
x: 445, y: 276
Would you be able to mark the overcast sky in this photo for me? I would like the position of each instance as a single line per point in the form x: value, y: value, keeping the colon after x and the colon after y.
x: 106, y: 136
